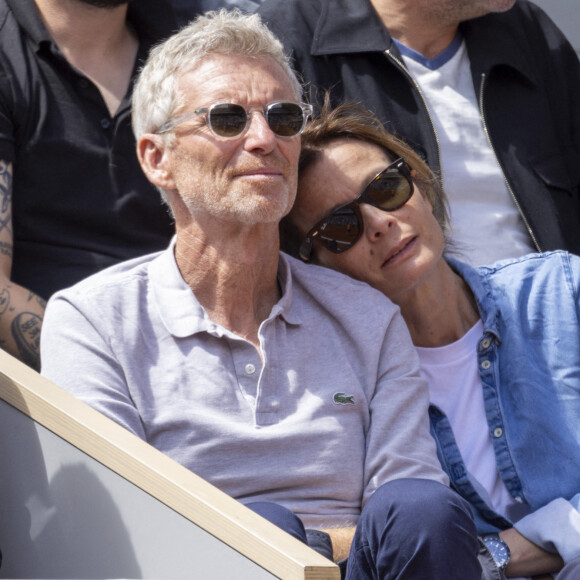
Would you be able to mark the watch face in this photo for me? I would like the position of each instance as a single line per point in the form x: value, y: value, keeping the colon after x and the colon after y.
x: 498, y: 549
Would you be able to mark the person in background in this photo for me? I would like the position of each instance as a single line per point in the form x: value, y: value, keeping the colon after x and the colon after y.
x: 499, y: 345
x: 73, y: 198
x: 186, y: 10
x: 486, y: 91
x: 233, y: 358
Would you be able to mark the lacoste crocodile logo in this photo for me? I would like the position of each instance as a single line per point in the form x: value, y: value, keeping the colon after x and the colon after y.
x: 342, y: 399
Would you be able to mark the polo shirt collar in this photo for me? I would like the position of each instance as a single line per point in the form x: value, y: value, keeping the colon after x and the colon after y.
x: 486, y: 304
x: 28, y: 17
x: 180, y: 310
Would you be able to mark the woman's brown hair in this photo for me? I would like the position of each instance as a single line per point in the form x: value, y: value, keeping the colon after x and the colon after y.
x: 350, y: 121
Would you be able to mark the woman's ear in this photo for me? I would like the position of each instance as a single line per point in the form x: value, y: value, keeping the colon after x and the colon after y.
x: 153, y: 154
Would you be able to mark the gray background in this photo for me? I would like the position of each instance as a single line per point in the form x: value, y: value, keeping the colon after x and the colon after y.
x: 566, y: 14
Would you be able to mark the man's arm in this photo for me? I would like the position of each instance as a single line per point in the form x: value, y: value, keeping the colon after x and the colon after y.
x: 528, y: 559
x: 341, y: 539
x: 21, y: 311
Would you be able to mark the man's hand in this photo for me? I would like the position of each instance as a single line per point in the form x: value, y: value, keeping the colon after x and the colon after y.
x: 528, y: 559
x: 341, y: 540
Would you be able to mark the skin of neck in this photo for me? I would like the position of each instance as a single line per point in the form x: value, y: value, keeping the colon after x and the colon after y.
x: 233, y: 273
x: 97, y: 41
x: 438, y: 310
x: 81, y: 27
x: 417, y: 24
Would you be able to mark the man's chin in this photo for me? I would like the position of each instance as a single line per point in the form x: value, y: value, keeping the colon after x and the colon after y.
x: 104, y: 3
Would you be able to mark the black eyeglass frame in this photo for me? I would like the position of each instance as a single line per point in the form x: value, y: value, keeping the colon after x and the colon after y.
x: 337, y: 246
x: 207, y: 112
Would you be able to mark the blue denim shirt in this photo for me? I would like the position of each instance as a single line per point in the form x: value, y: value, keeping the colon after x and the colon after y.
x: 529, y: 364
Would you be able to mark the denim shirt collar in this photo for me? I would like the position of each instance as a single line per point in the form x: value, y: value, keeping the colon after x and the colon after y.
x: 488, y: 311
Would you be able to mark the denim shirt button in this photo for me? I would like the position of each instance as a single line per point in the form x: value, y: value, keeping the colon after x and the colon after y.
x: 497, y: 432
x: 519, y: 499
x: 485, y: 365
x: 485, y: 343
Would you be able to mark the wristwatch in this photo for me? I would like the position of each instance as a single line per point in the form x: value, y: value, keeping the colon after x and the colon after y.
x: 498, y: 549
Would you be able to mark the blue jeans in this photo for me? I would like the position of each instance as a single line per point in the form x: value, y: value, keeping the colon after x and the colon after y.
x: 409, y: 529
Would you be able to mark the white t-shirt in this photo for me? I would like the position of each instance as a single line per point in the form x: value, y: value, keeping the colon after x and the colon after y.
x: 455, y: 387
x: 486, y: 224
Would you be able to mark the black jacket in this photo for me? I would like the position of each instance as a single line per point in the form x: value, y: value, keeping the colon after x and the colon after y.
x: 526, y: 76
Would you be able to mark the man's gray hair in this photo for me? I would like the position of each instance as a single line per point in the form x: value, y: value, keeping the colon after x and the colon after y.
x: 156, y: 98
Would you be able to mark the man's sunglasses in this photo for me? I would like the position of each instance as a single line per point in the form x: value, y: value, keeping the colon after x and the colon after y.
x: 340, y: 230
x: 228, y: 120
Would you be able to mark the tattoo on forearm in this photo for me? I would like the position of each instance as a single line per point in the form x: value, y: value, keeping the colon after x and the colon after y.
x: 4, y: 300
x: 36, y: 298
x: 5, y: 248
x: 5, y: 197
x: 26, y: 334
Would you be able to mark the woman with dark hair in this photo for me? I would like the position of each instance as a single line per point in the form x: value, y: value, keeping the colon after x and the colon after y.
x: 499, y: 344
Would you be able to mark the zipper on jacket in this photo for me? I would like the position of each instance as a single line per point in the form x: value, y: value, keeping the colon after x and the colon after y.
x: 510, y: 190
x: 404, y: 70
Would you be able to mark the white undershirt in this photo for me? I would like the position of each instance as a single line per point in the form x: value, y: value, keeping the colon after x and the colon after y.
x: 486, y: 225
x: 455, y: 387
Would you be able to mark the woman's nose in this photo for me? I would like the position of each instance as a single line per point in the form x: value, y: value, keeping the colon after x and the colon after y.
x: 377, y: 221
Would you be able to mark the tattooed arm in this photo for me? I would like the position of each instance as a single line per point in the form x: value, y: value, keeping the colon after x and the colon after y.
x: 21, y: 311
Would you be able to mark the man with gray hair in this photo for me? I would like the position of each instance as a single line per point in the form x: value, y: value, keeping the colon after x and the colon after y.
x: 257, y: 372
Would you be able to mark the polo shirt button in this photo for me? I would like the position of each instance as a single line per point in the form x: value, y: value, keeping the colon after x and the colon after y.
x: 485, y: 365
x: 497, y: 432
x: 105, y: 123
x: 250, y: 369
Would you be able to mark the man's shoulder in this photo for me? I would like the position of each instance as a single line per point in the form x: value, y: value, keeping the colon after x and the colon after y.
x: 5, y: 13
x: 515, y: 275
x: 9, y: 26
x: 153, y: 20
x: 292, y: 21
x: 523, y: 19
x: 333, y: 289
x: 114, y: 284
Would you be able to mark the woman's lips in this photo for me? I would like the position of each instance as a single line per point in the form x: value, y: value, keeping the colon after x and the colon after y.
x: 399, y: 251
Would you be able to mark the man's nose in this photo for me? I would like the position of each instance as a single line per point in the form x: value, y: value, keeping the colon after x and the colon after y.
x: 259, y: 134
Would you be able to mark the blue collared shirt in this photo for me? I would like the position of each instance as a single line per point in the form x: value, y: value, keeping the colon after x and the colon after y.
x: 529, y: 364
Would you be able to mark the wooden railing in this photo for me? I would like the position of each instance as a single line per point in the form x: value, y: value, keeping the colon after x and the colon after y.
x: 81, y: 497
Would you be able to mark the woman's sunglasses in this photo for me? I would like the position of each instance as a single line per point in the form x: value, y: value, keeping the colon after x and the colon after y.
x: 340, y: 230
x: 228, y: 120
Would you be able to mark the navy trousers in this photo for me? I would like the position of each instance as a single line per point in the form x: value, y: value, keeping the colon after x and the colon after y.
x: 409, y: 529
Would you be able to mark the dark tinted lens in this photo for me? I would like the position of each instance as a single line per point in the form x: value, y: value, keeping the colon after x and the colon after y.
x: 389, y: 190
x: 340, y: 230
x: 227, y: 120
x: 285, y: 119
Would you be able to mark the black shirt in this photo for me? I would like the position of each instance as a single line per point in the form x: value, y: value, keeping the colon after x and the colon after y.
x: 80, y: 199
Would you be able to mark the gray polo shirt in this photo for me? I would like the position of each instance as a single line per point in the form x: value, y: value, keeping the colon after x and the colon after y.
x: 335, y: 409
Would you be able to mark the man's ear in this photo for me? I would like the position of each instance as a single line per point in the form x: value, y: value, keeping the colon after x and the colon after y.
x: 153, y: 153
